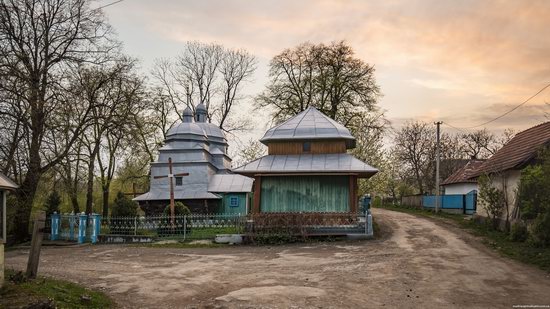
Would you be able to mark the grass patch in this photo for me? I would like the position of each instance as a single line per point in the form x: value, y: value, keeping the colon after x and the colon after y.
x: 64, y: 294
x: 496, y: 240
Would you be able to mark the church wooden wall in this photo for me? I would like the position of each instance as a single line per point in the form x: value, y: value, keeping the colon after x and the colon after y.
x: 278, y: 148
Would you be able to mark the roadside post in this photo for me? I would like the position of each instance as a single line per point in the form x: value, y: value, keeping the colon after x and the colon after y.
x: 36, y: 244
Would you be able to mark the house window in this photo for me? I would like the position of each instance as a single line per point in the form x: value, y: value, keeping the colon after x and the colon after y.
x: 233, y: 201
x: 306, y: 147
x: 179, y: 181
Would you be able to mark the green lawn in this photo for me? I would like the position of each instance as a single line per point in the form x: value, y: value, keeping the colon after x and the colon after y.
x: 64, y: 294
x: 496, y: 240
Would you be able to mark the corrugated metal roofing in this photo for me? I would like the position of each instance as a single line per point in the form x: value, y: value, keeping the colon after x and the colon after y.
x: 186, y: 128
x: 6, y: 183
x: 308, y: 163
x: 464, y: 174
x: 308, y: 125
x: 230, y: 183
x: 211, y: 129
x: 158, y: 195
x: 518, y: 151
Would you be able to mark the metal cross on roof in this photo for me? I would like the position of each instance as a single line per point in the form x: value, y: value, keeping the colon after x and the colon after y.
x: 170, y: 177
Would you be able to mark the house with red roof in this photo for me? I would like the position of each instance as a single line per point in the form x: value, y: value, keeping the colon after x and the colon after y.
x: 505, y: 166
x: 461, y: 181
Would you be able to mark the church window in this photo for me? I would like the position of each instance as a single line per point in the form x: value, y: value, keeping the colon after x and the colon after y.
x: 179, y: 181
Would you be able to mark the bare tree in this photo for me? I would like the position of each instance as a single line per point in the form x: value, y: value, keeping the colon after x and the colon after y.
x: 210, y: 74
x: 249, y: 152
x: 414, y: 145
x: 478, y: 144
x: 38, y: 41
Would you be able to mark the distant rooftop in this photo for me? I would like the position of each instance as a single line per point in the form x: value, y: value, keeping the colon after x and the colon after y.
x: 310, y: 124
x: 464, y: 174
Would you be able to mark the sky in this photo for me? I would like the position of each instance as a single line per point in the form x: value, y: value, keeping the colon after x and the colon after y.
x: 460, y: 62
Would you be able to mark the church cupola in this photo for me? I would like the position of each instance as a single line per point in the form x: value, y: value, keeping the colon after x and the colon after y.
x: 200, y: 113
x: 187, y: 115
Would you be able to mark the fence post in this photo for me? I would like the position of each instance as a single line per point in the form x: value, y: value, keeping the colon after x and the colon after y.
x: 370, y: 231
x: 96, y: 227
x: 82, y: 228
x: 72, y: 222
x: 54, y: 235
x: 36, y: 244
x: 184, y: 227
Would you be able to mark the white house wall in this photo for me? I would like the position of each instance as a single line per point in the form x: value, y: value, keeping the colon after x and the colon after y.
x: 460, y: 188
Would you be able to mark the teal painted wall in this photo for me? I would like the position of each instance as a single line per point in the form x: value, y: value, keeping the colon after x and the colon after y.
x: 227, y: 208
x: 305, y: 194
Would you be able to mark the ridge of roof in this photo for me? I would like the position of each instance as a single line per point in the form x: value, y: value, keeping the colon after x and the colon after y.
x: 463, y: 174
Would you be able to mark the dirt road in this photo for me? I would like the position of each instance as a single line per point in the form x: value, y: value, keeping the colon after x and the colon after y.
x: 416, y: 264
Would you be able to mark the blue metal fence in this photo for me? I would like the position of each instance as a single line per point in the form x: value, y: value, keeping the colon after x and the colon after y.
x: 75, y: 227
x: 456, y: 202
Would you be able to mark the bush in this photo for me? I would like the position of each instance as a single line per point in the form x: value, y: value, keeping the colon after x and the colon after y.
x: 519, y: 232
x: 492, y: 200
x: 124, y: 207
x: 179, y: 209
x: 52, y: 203
x: 540, y: 230
x: 376, y: 202
x: 166, y: 228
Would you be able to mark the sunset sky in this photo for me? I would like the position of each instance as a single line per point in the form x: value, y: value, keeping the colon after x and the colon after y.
x: 462, y: 62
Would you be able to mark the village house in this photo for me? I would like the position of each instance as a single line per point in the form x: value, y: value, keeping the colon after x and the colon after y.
x: 5, y: 185
x: 307, y: 168
x: 194, y: 157
x: 505, y: 166
x: 461, y: 182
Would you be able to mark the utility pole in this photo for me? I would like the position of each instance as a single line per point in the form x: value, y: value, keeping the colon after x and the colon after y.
x: 437, y: 159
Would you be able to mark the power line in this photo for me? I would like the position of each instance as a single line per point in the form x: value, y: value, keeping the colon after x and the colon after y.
x: 459, y: 129
x: 506, y: 113
x: 108, y: 4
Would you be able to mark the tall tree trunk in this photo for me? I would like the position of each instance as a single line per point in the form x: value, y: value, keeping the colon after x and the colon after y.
x: 25, y: 197
x: 90, y: 184
x: 26, y: 192
x: 74, y: 202
x: 105, y: 212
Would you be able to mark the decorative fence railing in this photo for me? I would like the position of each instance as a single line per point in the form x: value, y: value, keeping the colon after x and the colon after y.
x: 194, y: 226
x: 307, y: 224
x: 82, y: 228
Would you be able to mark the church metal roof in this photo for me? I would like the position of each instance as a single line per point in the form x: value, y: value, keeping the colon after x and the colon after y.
x: 6, y: 183
x: 230, y: 183
x: 162, y: 195
x: 186, y: 128
x: 308, y: 163
x: 310, y: 124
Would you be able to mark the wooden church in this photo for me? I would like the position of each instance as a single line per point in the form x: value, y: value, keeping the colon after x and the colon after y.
x: 307, y: 168
x: 195, y: 163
